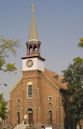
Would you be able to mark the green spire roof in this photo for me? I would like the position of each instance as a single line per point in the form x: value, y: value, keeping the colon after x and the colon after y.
x: 33, y: 34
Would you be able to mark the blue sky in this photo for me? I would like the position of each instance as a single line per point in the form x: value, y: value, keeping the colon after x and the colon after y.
x: 60, y: 26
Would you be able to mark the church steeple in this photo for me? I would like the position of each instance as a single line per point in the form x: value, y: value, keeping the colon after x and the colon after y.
x: 33, y: 34
x: 33, y: 44
x: 33, y: 60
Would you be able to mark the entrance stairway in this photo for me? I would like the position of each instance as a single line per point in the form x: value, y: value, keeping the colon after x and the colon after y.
x: 22, y: 126
x: 26, y: 126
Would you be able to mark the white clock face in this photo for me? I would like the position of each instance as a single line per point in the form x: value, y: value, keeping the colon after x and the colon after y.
x: 29, y: 63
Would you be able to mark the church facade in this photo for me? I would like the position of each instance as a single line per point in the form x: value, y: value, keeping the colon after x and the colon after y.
x: 36, y: 99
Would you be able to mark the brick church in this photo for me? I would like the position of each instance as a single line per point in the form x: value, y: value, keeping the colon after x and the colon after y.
x: 36, y: 99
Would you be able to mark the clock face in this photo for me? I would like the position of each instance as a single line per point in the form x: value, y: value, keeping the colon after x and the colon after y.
x: 29, y: 63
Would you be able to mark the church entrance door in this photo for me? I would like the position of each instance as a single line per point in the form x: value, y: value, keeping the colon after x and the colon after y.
x: 30, y: 116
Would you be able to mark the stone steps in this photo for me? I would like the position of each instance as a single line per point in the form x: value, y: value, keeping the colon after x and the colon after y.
x: 22, y: 126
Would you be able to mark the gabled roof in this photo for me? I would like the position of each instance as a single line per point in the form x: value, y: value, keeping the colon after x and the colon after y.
x: 56, y: 79
x: 53, y: 78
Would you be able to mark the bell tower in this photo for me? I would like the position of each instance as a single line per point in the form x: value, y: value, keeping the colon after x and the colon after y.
x: 33, y: 59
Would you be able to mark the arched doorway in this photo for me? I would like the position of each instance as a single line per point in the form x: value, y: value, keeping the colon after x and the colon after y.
x: 30, y: 116
x: 18, y: 117
x: 50, y: 117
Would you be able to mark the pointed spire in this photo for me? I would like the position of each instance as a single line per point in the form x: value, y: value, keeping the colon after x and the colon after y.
x: 33, y: 34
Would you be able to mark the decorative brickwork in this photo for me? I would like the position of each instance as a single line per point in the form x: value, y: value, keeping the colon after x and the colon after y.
x: 45, y: 105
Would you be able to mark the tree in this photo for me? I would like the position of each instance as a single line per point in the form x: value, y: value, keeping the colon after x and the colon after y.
x: 81, y: 42
x: 73, y: 96
x: 7, y: 46
x: 3, y: 107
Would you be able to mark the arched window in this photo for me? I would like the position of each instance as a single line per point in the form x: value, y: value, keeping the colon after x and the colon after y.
x: 18, y: 117
x: 29, y: 90
x: 50, y: 117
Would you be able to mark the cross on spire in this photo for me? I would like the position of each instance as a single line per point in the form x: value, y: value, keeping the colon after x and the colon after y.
x: 33, y: 7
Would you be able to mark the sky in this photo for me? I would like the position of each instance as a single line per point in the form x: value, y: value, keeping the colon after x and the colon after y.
x: 60, y: 27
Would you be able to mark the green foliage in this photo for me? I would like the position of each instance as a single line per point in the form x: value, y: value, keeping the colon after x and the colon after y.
x: 81, y: 42
x: 10, y: 67
x: 2, y: 62
x: 74, y: 96
x: 7, y: 47
x: 3, y: 107
x: 74, y: 74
